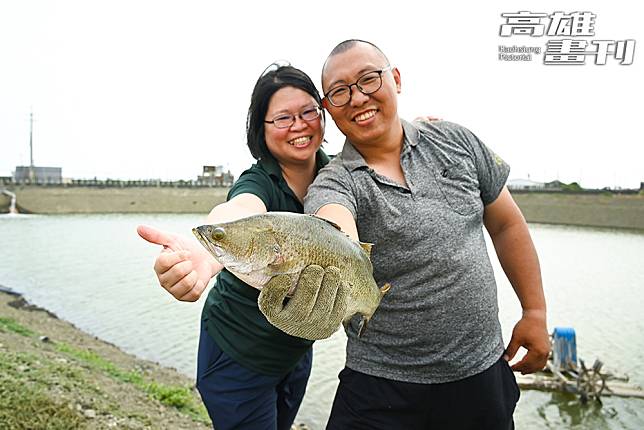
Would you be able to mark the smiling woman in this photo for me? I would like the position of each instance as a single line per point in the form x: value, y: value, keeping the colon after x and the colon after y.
x: 295, y: 132
x: 245, y: 364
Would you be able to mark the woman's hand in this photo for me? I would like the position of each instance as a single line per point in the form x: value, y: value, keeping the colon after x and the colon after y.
x: 184, y: 267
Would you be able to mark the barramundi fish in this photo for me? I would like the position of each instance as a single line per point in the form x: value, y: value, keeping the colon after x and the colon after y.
x: 260, y: 247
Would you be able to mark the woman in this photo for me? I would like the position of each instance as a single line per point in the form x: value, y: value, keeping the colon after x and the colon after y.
x: 249, y: 373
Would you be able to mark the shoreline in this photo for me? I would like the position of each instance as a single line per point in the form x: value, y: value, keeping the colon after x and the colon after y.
x: 53, y: 372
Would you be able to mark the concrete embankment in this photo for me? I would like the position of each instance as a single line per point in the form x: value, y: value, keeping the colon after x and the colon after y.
x: 584, y: 209
x: 66, y: 200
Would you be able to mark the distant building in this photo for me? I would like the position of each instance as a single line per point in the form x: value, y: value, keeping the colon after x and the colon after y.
x: 525, y: 184
x: 38, y: 175
x: 215, y: 175
x: 555, y: 185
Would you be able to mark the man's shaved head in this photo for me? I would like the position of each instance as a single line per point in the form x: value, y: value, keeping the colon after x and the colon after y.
x: 345, y: 46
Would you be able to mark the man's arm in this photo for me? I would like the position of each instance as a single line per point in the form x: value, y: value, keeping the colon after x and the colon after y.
x: 340, y: 215
x: 515, y: 250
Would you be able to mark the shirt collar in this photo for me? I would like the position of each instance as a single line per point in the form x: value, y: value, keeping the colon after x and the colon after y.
x: 353, y: 160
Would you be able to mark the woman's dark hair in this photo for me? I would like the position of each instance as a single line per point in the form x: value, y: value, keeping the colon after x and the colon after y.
x: 267, y: 85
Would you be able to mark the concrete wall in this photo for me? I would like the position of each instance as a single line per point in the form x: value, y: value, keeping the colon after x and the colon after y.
x: 64, y: 200
x: 599, y: 210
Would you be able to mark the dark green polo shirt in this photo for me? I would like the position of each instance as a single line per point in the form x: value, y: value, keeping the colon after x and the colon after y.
x: 230, y: 313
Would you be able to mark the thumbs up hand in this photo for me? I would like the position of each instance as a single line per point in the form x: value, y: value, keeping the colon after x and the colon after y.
x: 184, y: 267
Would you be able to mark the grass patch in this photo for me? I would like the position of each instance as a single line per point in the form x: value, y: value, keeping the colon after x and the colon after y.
x: 179, y: 397
x: 8, y: 324
x: 95, y: 361
x: 25, y: 406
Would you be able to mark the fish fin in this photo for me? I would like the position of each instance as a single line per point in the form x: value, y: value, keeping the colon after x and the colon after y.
x: 363, y: 325
x: 384, y: 289
x: 327, y: 221
x: 367, y: 247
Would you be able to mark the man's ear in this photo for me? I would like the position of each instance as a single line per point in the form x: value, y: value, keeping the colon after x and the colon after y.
x: 396, y: 73
x: 325, y: 104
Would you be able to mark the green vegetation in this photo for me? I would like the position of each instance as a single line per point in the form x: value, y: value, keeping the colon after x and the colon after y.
x: 23, y: 405
x: 8, y: 324
x: 572, y: 187
x: 56, y: 384
x: 179, y: 397
x: 25, y: 408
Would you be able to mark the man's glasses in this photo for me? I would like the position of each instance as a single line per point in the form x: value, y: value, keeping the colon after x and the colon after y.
x: 286, y: 120
x: 367, y: 84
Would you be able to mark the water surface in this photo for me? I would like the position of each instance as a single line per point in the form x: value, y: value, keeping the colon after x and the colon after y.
x: 94, y: 271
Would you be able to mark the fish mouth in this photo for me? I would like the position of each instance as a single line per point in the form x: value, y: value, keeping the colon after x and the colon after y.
x: 215, y: 250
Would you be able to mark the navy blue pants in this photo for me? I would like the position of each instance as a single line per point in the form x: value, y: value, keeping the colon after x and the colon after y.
x: 484, y: 401
x: 239, y: 398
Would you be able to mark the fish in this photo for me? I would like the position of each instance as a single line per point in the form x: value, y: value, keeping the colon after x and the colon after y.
x: 259, y: 247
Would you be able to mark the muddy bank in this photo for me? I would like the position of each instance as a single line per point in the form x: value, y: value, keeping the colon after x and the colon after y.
x: 53, y: 375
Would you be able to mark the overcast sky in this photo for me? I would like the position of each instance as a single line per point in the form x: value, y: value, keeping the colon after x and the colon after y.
x: 156, y: 89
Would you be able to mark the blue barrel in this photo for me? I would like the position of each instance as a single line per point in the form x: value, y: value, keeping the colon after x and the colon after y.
x: 564, y: 348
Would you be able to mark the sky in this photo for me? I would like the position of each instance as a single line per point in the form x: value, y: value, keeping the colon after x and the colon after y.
x: 157, y: 89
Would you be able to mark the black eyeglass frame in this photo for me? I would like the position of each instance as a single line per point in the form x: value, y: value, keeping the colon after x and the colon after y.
x: 357, y: 85
x: 318, y: 109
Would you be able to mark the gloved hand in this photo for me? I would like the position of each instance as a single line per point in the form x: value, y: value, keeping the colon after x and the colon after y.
x: 317, y: 307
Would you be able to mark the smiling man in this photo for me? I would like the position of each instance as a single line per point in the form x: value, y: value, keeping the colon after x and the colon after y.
x: 433, y: 355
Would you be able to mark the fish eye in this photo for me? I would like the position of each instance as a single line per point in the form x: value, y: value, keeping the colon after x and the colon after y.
x: 218, y: 233
x: 276, y: 249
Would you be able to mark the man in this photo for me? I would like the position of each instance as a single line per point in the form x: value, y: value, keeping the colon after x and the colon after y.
x: 432, y: 356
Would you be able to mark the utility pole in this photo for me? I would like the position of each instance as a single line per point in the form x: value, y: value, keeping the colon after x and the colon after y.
x: 32, y: 173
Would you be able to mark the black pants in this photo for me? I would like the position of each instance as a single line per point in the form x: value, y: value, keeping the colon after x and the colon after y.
x: 483, y: 401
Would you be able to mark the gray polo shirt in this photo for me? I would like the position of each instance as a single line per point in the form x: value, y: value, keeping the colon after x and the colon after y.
x: 439, y: 321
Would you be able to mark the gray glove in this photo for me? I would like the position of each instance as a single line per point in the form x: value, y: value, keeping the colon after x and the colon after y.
x: 317, y: 307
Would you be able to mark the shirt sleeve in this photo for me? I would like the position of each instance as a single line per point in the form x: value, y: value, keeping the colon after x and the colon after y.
x: 253, y: 181
x: 333, y: 184
x: 492, y: 172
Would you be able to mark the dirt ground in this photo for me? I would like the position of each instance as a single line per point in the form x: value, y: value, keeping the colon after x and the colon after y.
x: 74, y: 380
